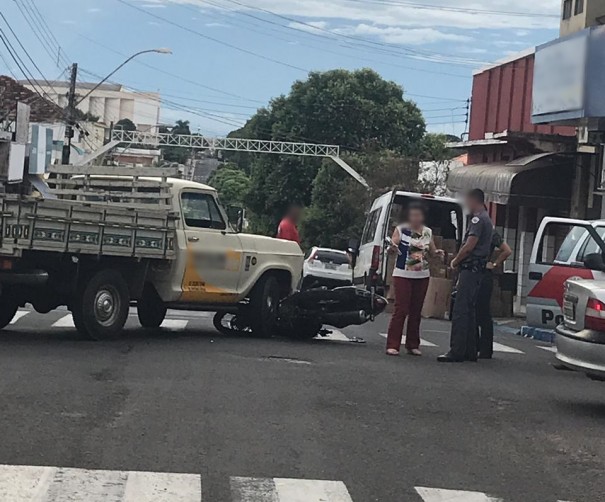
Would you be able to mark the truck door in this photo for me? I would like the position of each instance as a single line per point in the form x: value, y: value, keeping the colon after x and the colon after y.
x: 214, y: 251
x: 558, y: 254
x: 372, y: 246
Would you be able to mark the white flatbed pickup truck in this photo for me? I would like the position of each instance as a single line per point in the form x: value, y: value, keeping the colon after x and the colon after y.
x: 98, y: 241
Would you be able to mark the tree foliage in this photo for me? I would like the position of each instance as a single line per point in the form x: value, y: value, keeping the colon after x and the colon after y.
x: 126, y: 125
x: 176, y: 153
x: 357, y: 110
x: 231, y: 183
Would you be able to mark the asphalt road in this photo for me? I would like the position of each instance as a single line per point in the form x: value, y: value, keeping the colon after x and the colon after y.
x: 188, y: 400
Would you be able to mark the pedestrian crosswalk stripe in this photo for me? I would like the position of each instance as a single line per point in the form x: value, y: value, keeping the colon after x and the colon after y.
x: 288, y: 490
x: 174, y: 324
x: 549, y: 348
x: 423, y: 343
x: 440, y: 495
x: 51, y: 484
x: 498, y: 347
x: 66, y: 321
x: 19, y: 315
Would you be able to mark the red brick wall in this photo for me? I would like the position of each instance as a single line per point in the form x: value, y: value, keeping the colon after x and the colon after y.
x: 501, y: 101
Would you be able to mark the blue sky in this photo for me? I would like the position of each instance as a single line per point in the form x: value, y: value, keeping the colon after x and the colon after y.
x: 232, y: 56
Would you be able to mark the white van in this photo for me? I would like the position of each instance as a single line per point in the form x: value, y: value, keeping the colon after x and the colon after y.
x: 445, y: 216
x: 558, y: 254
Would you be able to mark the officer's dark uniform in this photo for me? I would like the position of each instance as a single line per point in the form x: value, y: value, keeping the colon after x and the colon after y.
x: 463, y: 342
x: 485, y: 323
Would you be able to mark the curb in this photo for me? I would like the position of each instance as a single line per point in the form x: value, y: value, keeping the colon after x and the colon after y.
x: 544, y: 335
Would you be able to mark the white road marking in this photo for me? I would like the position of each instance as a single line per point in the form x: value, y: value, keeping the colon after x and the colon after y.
x: 19, y: 315
x: 335, y: 336
x: 46, y: 484
x: 498, y: 347
x: 549, y: 348
x: 162, y: 487
x: 440, y: 495
x: 174, y: 324
x: 288, y: 490
x: 423, y: 343
x: 66, y: 321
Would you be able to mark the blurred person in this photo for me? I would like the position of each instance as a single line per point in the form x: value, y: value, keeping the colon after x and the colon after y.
x: 412, y: 241
x: 472, y: 261
x: 288, y: 226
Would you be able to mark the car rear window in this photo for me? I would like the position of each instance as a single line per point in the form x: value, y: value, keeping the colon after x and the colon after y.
x: 332, y: 257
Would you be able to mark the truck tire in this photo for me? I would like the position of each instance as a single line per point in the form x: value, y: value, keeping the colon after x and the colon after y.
x: 151, y: 310
x: 101, y: 310
x: 264, y: 303
x: 8, y: 309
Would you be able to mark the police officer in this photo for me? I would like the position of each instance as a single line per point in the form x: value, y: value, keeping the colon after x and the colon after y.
x: 471, y: 260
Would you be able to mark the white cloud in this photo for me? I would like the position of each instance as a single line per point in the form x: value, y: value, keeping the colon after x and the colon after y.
x: 391, y: 14
x: 408, y: 36
x: 310, y: 26
x: 217, y: 25
x: 94, y: 10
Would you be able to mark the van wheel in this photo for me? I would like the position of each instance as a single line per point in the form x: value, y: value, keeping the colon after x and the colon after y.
x: 150, y: 308
x: 8, y: 309
x: 101, y: 310
x: 264, y: 303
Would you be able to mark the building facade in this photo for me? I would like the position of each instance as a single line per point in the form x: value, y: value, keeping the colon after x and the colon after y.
x: 579, y: 14
x: 109, y: 102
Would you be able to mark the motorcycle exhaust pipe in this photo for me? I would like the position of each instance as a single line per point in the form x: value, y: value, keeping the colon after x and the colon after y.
x: 344, y: 319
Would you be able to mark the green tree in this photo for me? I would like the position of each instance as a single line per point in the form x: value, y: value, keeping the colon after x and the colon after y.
x: 437, y: 161
x: 357, y: 110
x: 176, y: 153
x: 231, y: 183
x: 339, y: 203
x: 126, y: 125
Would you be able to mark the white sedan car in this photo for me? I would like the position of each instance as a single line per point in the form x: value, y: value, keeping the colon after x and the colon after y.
x: 326, y: 267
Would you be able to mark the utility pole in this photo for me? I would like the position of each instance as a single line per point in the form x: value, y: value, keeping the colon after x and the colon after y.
x: 71, y: 101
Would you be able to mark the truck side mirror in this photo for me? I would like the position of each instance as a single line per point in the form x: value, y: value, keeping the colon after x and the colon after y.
x: 594, y: 261
x: 241, y: 216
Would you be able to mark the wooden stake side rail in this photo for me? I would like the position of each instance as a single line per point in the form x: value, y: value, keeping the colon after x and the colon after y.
x: 76, y: 227
x: 134, y: 187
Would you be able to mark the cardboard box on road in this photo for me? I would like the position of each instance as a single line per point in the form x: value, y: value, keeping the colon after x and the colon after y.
x: 438, y: 296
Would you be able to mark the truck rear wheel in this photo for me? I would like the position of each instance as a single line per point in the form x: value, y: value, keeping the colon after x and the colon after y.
x: 264, y: 303
x: 150, y: 308
x: 101, y: 310
x: 8, y: 309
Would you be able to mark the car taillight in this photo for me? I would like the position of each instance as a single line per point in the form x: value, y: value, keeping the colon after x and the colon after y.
x: 375, y: 265
x: 595, y: 315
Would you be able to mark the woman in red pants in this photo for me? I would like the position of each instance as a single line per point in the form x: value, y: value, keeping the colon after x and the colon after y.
x: 413, y: 242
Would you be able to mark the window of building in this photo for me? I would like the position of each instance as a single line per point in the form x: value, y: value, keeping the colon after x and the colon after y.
x: 567, y: 4
x: 579, y: 7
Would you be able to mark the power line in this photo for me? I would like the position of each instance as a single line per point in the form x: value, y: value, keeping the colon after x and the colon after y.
x: 173, y: 75
x: 447, y: 8
x: 216, y: 40
x: 422, y: 54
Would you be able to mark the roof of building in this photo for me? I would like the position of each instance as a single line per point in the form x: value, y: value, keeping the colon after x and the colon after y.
x: 508, y: 59
x: 42, y: 110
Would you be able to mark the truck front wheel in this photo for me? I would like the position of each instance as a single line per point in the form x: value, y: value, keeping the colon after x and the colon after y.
x: 101, y: 310
x: 264, y: 304
x: 8, y: 309
x: 150, y: 308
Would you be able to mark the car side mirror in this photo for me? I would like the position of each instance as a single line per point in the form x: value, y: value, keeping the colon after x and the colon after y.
x: 353, y: 251
x: 241, y: 216
x: 594, y: 261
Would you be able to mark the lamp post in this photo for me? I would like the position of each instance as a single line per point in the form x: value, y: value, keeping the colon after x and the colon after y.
x: 72, y: 104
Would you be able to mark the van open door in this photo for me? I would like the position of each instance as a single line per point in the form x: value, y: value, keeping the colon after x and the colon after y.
x: 372, y: 248
x: 558, y: 254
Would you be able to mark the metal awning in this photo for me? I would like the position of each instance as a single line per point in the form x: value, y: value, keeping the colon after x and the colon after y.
x: 542, y: 180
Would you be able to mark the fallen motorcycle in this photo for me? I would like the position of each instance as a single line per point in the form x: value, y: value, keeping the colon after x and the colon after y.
x: 303, y: 314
